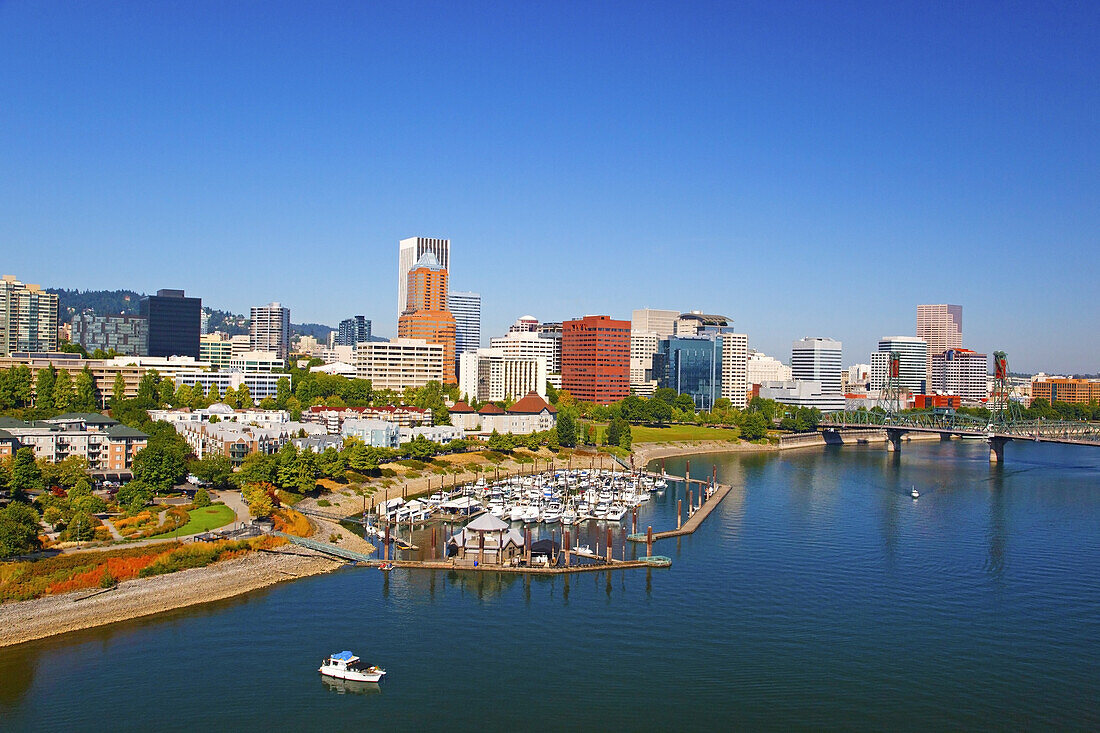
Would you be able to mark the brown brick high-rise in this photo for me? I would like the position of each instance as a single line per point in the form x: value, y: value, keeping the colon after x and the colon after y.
x: 595, y: 359
x: 426, y: 316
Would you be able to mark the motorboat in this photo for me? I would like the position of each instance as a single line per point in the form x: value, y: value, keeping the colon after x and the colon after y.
x: 914, y: 493
x: 346, y: 666
x: 516, y: 513
x: 616, y: 512
x: 660, y: 484
x: 568, y: 517
x: 552, y: 513
x: 600, y: 512
x: 530, y: 513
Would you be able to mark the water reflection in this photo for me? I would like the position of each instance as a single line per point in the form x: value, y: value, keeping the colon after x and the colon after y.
x: 351, y: 687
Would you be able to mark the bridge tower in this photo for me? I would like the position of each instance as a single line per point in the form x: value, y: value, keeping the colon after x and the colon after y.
x: 890, y: 397
x: 1004, y: 409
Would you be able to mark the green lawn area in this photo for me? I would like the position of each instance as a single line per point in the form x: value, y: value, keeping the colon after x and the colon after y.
x: 671, y: 433
x: 206, y: 518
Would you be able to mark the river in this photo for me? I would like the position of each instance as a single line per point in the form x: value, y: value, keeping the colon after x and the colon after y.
x: 818, y: 595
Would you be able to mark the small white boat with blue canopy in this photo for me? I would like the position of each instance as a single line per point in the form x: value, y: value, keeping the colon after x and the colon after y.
x: 346, y: 666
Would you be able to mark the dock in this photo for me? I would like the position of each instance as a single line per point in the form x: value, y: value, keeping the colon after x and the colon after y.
x: 645, y: 562
x: 694, y: 520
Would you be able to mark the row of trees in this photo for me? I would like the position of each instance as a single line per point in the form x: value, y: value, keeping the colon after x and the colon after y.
x: 47, y: 393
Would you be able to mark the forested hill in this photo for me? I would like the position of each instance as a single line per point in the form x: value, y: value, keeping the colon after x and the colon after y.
x: 101, y: 302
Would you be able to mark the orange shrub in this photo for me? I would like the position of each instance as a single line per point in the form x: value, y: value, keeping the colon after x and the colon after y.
x: 292, y: 522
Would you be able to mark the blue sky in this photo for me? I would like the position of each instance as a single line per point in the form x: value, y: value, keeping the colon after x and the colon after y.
x: 805, y: 168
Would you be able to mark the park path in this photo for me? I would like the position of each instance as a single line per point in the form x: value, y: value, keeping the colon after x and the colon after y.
x: 111, y: 528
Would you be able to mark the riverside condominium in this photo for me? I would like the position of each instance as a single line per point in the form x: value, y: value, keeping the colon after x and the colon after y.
x: 269, y: 330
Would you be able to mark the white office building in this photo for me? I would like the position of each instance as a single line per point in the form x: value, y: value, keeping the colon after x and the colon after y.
x: 488, y: 375
x: 409, y: 252
x: 961, y: 372
x: 912, y: 363
x: 643, y: 345
x: 400, y: 363
x: 528, y: 344
x: 257, y: 361
x: 650, y: 320
x: 802, y: 393
x: 735, y: 372
x: 466, y: 308
x: 817, y: 360
x: 269, y: 329
x: 763, y: 368
x: 260, y: 384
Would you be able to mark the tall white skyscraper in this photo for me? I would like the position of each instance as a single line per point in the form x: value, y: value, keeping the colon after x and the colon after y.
x: 409, y: 251
x: 269, y: 329
x: 941, y: 327
x: 912, y: 363
x: 735, y: 369
x: 817, y: 360
x: 466, y: 308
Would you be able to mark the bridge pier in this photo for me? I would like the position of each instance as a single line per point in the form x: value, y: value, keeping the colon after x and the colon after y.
x: 945, y: 437
x: 997, y: 449
x: 893, y: 440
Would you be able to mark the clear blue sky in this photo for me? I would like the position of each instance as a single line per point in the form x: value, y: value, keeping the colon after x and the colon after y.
x: 805, y: 168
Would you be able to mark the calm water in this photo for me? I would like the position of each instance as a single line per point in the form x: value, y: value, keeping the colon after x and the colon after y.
x: 819, y: 594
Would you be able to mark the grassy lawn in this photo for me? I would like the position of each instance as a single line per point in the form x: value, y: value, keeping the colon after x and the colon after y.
x: 645, y: 434
x: 210, y: 517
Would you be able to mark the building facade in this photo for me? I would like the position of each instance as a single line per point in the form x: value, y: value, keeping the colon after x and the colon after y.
x: 643, y: 345
x: 174, y: 323
x: 961, y: 372
x: 528, y: 345
x: 552, y: 332
x: 261, y: 385
x: 488, y: 375
x: 426, y: 316
x: 28, y: 318
x: 761, y: 368
x: 128, y: 335
x: 352, y: 331
x: 107, y: 445
x: 466, y: 308
x: 650, y: 320
x: 595, y: 359
x: 735, y: 369
x: 409, y: 253
x: 400, y: 363
x: 912, y: 363
x: 818, y: 360
x: 940, y: 326
x: 269, y: 329
x: 216, y: 348
x: 803, y: 393
x: 1061, y: 389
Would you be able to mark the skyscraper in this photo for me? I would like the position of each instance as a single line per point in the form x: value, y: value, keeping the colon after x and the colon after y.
x: 174, y: 323
x: 912, y: 363
x: 941, y: 328
x: 466, y: 308
x: 28, y: 317
x: 426, y: 316
x: 409, y: 253
x: 650, y: 320
x: 353, y: 331
x: 595, y: 359
x: 817, y: 360
x: 269, y: 329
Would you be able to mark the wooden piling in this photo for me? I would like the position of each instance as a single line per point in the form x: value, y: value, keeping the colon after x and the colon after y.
x: 679, y: 513
x: 691, y: 502
x: 527, y: 545
x: 567, y: 548
x: 633, y: 520
x: 386, y: 545
x: 480, y: 548
x: 649, y: 541
x: 609, y: 544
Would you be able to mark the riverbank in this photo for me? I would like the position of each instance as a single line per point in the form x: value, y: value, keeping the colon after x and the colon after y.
x: 52, y: 615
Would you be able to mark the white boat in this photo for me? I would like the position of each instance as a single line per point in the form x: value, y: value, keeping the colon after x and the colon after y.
x: 616, y: 512
x: 346, y: 666
x: 530, y: 513
x: 552, y: 513
x: 568, y: 517
x: 601, y: 509
x: 516, y: 513
x: 914, y: 493
x: 497, y: 510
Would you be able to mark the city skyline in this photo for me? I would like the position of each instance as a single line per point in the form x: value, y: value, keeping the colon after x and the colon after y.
x: 800, y: 170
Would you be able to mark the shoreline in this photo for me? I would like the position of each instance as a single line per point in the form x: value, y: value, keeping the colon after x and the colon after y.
x: 23, y: 621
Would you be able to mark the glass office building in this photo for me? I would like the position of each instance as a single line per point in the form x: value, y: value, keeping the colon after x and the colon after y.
x: 174, y: 323
x: 691, y: 365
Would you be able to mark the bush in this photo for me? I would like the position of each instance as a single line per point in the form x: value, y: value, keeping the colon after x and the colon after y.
x: 324, y: 502
x: 108, y: 580
x: 202, y: 498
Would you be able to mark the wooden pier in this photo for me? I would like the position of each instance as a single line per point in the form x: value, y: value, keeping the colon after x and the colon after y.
x: 695, y: 515
x: 653, y: 562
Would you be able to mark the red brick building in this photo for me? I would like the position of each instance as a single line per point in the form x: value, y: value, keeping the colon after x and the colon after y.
x: 595, y: 359
x: 930, y: 401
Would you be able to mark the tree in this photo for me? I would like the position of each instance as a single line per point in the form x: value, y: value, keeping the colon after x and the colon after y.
x: 503, y: 443
x: 166, y: 392
x: 421, y: 449
x: 257, y: 468
x: 213, y: 395
x: 282, y: 393
x: 567, y: 430
x: 159, y: 468
x: 118, y: 392
x: 305, y: 479
x: 659, y: 411
x: 134, y: 495
x: 147, y: 394
x: 213, y: 469
x: 71, y: 470
x: 259, y: 499
x: 43, y: 386
x: 294, y: 407
x: 625, y: 438
x: 754, y: 427
x: 611, y: 436
x: 81, y: 527
x: 18, y: 530
x: 87, y: 396
x: 63, y: 392
x: 202, y: 498
x: 25, y: 474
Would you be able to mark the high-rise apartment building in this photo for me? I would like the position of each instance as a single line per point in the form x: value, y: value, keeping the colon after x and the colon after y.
x: 595, y: 359
x: 490, y: 374
x: 940, y: 325
x: 643, y: 345
x: 269, y: 329
x: 466, y: 308
x: 912, y: 363
x: 353, y: 331
x: 409, y: 253
x: 650, y: 320
x: 817, y: 360
x: 961, y: 372
x: 735, y: 369
x: 174, y: 323
x: 400, y: 363
x: 124, y: 334
x: 527, y: 345
x: 426, y: 316
x: 28, y: 318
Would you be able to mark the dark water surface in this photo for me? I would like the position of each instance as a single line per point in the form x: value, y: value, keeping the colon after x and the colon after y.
x: 818, y: 595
